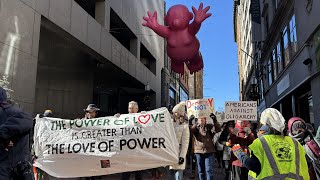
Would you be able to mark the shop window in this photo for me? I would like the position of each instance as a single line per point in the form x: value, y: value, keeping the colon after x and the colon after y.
x: 122, y: 33
x: 305, y: 107
x: 286, y: 107
x: 311, y: 115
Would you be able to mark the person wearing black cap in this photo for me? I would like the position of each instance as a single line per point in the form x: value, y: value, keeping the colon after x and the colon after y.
x: 15, y: 149
x: 91, y: 111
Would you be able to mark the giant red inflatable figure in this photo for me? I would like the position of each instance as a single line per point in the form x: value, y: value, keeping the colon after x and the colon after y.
x: 182, y: 44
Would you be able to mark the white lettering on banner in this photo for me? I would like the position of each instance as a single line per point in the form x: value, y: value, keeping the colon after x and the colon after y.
x: 241, y: 110
x: 200, y: 107
x: 108, y: 145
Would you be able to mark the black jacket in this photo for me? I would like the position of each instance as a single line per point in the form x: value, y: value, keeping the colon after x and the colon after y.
x: 15, y: 126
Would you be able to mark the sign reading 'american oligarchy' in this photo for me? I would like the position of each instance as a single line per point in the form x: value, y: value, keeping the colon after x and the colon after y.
x: 107, y: 145
x: 241, y: 110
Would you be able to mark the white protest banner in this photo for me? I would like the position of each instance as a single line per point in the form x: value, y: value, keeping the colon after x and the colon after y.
x: 107, y: 145
x: 200, y: 107
x: 241, y: 110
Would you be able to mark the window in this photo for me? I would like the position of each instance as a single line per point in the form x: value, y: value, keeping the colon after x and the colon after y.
x: 270, y: 76
x: 88, y: 5
x: 289, y: 39
x: 310, y: 103
x: 123, y: 33
x: 183, y: 95
x: 279, y: 57
x: 293, y: 35
x: 275, y: 63
x: 286, y: 50
x: 147, y: 59
x: 172, y: 95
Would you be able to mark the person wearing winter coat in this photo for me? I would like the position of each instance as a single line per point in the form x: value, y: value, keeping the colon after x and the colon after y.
x: 182, y: 133
x: 317, y: 137
x: 203, y: 145
x: 243, y: 136
x: 299, y: 130
x: 220, y: 140
x: 15, y: 148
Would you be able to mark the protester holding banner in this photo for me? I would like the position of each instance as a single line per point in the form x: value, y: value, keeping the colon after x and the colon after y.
x: 182, y: 134
x: 91, y: 111
x: 133, y: 107
x: 15, y: 148
x: 203, y: 146
x: 39, y: 174
x: 242, y: 135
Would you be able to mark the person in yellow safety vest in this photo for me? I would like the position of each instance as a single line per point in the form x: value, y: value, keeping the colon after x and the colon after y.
x: 274, y: 155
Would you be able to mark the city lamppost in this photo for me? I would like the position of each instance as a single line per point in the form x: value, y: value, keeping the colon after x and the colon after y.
x: 146, y: 98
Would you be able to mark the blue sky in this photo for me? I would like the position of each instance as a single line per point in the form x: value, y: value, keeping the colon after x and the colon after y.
x: 218, y: 49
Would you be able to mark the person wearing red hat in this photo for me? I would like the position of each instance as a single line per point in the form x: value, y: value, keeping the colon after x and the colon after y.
x: 299, y: 130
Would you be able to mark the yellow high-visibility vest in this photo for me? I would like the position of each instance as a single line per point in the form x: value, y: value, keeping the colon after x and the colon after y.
x: 281, y: 157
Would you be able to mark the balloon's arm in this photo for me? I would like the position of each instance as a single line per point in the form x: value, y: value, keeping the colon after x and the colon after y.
x: 162, y: 31
x: 152, y: 23
x: 194, y: 27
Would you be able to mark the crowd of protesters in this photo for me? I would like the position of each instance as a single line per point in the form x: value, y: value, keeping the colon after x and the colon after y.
x: 275, y: 150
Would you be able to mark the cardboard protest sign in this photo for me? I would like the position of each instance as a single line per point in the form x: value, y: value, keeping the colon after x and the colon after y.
x: 241, y: 110
x: 200, y: 107
x: 107, y: 145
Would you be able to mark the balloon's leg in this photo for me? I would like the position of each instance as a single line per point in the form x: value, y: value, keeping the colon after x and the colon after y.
x: 196, y: 64
x: 177, y: 67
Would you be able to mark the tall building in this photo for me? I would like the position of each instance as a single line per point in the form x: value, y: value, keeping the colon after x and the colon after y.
x: 247, y: 37
x: 196, y: 85
x: 64, y: 54
x: 287, y: 64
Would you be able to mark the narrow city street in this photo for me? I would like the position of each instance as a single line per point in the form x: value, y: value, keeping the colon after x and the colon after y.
x: 95, y: 87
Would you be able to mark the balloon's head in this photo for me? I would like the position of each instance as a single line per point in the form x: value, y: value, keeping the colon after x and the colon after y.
x: 178, y: 17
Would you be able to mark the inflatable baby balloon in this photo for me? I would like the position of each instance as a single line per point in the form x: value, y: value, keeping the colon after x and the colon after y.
x: 182, y: 44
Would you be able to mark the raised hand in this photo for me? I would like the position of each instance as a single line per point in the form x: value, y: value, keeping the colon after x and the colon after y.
x: 201, y: 14
x: 151, y: 20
